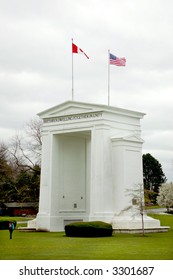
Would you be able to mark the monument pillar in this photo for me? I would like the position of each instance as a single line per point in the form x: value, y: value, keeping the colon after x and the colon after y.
x: 101, y: 175
x: 128, y: 183
x: 127, y: 169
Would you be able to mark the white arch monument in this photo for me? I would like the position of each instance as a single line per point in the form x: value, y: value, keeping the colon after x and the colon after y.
x: 91, y: 155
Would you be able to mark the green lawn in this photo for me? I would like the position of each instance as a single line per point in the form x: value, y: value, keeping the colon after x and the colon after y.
x: 56, y: 246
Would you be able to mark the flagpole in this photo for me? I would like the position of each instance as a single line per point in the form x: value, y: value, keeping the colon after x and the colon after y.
x: 72, y: 74
x: 108, y: 77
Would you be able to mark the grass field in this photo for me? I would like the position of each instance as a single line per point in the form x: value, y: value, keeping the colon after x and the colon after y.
x: 56, y: 246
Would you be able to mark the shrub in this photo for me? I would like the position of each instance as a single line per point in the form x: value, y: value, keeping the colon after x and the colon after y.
x: 88, y: 229
x: 150, y: 197
x: 5, y: 224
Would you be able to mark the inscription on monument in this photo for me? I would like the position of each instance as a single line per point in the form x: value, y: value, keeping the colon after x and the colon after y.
x: 74, y: 117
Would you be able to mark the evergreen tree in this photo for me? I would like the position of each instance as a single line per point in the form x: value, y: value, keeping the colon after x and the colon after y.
x: 152, y: 173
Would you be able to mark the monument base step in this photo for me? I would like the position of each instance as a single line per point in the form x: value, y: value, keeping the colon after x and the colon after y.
x: 115, y: 231
x: 146, y: 230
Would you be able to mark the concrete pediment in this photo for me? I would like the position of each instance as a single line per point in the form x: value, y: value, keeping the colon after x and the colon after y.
x: 69, y: 108
x: 73, y: 107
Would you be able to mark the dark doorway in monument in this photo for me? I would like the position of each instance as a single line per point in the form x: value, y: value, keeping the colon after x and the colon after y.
x: 71, y: 170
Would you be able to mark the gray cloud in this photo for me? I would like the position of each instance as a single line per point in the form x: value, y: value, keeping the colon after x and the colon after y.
x: 35, y: 62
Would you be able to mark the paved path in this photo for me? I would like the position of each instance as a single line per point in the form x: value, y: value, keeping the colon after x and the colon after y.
x: 22, y: 222
x: 156, y: 210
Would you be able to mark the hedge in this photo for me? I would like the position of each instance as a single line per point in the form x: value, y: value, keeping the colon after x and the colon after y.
x: 5, y: 224
x: 88, y: 229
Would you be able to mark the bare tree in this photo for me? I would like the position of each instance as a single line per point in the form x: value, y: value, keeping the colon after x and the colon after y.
x: 137, y: 195
x: 20, y: 164
x: 25, y: 150
x: 33, y: 131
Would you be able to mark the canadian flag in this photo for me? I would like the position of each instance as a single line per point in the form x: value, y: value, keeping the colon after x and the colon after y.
x: 76, y: 49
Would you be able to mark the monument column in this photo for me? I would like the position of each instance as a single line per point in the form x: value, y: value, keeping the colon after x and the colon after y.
x: 127, y: 169
x: 127, y: 179
x: 101, y: 174
x: 44, y: 208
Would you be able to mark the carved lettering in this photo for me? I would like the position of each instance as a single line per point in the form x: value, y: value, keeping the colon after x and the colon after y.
x: 73, y: 117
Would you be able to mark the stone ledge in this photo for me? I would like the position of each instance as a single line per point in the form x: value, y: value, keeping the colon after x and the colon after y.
x: 115, y: 231
x: 146, y: 230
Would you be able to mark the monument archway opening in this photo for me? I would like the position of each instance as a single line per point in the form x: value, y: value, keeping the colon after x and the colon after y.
x: 71, y: 170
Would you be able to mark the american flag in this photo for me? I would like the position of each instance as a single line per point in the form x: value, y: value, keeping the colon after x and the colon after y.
x: 114, y: 60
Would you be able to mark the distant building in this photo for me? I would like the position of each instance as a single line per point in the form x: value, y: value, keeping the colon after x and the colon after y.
x: 21, y: 208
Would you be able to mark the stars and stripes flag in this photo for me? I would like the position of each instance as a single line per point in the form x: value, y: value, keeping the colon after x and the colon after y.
x: 76, y: 49
x: 118, y: 61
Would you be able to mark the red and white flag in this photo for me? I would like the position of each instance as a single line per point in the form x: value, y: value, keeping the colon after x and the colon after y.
x: 76, y: 49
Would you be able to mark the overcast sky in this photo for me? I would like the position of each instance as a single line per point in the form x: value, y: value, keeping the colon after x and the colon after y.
x: 35, y: 62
